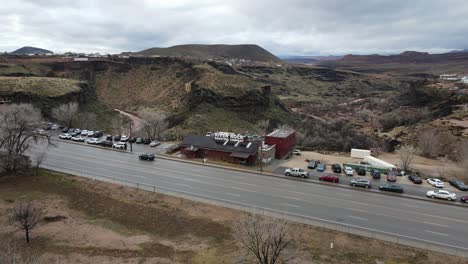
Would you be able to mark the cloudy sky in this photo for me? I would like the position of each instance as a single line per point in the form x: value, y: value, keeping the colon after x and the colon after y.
x: 302, y: 27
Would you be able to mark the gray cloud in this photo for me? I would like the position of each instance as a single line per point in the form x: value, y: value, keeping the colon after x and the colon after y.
x: 283, y: 27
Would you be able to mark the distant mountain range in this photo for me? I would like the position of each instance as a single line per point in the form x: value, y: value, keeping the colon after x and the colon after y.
x: 309, y: 59
x: 407, y: 57
x: 30, y: 50
x: 219, y: 51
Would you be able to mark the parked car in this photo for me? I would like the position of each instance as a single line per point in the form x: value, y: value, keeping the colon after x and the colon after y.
x: 90, y: 133
x: 321, y: 167
x: 391, y: 176
x: 146, y: 141
x: 108, y: 137
x: 312, y: 164
x: 296, y: 172
x: 464, y: 199
x: 459, y: 185
x: 442, y: 194
x: 65, y: 136
x: 120, y: 145
x: 39, y: 131
x: 93, y: 141
x: 155, y: 143
x: 124, y: 138
x: 348, y: 171
x: 297, y: 152
x: 48, y: 126
x: 436, y: 182
x: 391, y: 188
x: 65, y: 130
x: 71, y: 130
x: 78, y: 138
x: 54, y: 127
x: 98, y: 134
x: 375, y: 174
x: 139, y: 140
x: 336, y: 168
x: 84, y: 132
x: 74, y: 134
x: 78, y: 131
x: 415, y: 179
x: 132, y: 140
x: 361, y: 171
x: 329, y: 178
x: 106, y: 143
x: 361, y: 183
x: 146, y: 156
x: 117, y: 138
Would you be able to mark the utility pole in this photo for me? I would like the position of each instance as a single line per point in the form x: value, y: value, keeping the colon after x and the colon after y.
x: 261, y: 154
x: 130, y: 136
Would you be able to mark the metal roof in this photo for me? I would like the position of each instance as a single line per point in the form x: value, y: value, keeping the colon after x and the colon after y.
x: 281, y: 133
x: 204, y: 142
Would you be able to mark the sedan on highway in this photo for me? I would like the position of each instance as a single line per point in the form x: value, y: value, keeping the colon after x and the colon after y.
x: 146, y: 156
x: 435, y: 182
x: 464, y: 199
x: 329, y: 178
x: 459, y: 185
x: 391, y: 188
x: 65, y: 136
x: 442, y: 194
x: 361, y: 183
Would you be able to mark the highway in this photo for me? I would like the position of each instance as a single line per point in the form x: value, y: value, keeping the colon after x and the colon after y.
x: 435, y: 223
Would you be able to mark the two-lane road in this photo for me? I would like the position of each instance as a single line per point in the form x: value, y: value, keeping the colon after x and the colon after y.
x: 440, y: 224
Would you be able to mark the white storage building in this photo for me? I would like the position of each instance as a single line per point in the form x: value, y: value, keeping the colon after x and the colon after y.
x: 360, y: 153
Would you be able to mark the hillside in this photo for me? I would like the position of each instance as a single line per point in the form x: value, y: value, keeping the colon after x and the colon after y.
x: 30, y: 50
x: 206, y: 52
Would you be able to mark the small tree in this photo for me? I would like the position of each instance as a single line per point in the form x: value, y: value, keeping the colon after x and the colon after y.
x: 40, y: 157
x: 26, y: 217
x: 264, y: 240
x: 155, y: 124
x: 406, y: 153
x: 66, y: 113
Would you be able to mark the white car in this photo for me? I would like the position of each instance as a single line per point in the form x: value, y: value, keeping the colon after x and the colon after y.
x: 90, y: 133
x: 297, y: 152
x: 435, y: 182
x: 119, y: 145
x: 78, y: 138
x: 84, y: 132
x: 124, y: 138
x: 65, y: 136
x: 296, y: 172
x: 348, y: 171
x: 54, y: 127
x: 442, y: 194
x: 154, y: 143
x: 93, y: 141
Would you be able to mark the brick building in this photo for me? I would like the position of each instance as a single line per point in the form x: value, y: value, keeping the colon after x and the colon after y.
x: 285, y: 140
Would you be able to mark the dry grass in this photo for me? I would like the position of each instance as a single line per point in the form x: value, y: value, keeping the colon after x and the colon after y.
x: 42, y: 86
x: 107, y: 223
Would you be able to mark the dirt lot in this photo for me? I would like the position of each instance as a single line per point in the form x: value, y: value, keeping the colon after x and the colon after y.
x: 106, y: 223
x: 429, y: 167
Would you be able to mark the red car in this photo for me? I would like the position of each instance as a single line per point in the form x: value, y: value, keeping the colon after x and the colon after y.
x: 329, y: 178
x: 464, y: 199
x: 391, y: 177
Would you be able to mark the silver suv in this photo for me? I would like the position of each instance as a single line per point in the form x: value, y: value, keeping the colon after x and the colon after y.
x: 361, y: 183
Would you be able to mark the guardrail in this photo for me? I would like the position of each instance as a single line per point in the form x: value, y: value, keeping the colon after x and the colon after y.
x: 318, y: 222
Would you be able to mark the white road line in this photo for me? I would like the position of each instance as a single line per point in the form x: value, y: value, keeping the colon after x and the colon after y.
x: 233, y: 194
x: 437, y: 233
x: 182, y: 184
x: 292, y: 205
x: 429, y: 223
x: 358, y: 210
x: 360, y: 218
x: 292, y: 198
x: 242, y: 189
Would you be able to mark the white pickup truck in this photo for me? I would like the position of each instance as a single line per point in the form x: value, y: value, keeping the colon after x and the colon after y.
x: 296, y: 172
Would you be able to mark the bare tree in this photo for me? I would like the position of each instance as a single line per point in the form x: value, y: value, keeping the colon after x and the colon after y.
x: 155, y: 124
x: 66, y: 113
x: 264, y: 240
x: 429, y: 143
x: 17, y: 132
x: 40, y: 157
x: 406, y: 153
x: 262, y: 128
x: 26, y: 217
x: 86, y: 120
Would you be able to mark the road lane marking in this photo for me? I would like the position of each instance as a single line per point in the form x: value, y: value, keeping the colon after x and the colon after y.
x: 429, y: 223
x: 437, y: 233
x: 292, y: 205
x: 292, y: 198
x: 182, y: 184
x: 360, y: 218
x: 233, y: 194
x: 359, y: 210
x: 242, y: 189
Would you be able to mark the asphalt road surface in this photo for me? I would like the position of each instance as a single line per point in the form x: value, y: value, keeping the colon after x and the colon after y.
x: 439, y: 224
